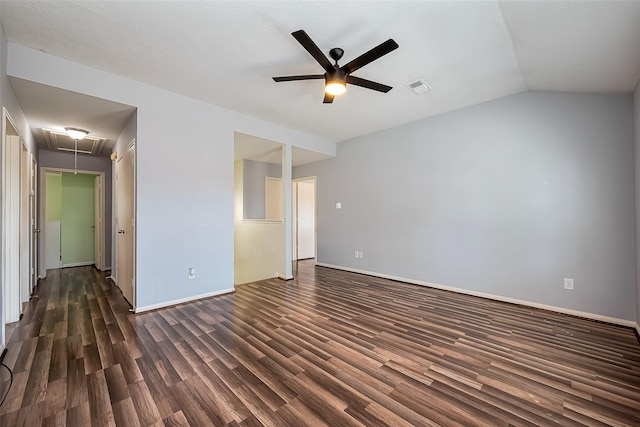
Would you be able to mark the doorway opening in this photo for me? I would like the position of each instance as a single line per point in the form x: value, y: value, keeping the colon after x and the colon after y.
x: 71, y: 218
x: 303, y: 233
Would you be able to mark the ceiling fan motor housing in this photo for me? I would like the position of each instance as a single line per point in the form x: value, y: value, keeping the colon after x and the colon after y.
x: 336, y: 76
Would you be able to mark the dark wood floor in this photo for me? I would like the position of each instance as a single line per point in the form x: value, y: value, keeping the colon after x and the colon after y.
x: 328, y: 348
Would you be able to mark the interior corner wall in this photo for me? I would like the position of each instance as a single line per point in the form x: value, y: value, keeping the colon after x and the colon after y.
x: 184, y: 175
x: 636, y: 139
x: 505, y: 198
x: 61, y: 160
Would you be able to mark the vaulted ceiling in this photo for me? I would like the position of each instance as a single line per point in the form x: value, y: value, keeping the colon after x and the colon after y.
x: 225, y: 52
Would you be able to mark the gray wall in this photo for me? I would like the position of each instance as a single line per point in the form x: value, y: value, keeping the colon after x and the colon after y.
x: 253, y: 191
x: 62, y: 160
x: 636, y: 136
x: 505, y: 198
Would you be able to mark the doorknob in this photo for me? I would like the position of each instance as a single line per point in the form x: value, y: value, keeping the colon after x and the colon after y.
x: 36, y: 230
x: 120, y: 231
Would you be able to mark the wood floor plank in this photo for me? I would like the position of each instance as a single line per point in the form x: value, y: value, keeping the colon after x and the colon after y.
x: 327, y: 348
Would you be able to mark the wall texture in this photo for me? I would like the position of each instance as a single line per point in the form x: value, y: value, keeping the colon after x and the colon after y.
x: 506, y: 198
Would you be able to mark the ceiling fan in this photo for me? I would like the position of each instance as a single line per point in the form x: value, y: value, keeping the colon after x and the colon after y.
x: 336, y: 77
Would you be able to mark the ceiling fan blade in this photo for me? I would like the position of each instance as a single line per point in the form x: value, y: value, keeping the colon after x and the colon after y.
x: 293, y: 78
x: 370, y: 56
x: 313, y: 49
x: 328, y: 99
x: 368, y: 84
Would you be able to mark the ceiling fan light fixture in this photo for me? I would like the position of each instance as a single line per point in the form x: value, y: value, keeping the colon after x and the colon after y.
x: 336, y: 82
x: 77, y: 134
x: 335, y: 88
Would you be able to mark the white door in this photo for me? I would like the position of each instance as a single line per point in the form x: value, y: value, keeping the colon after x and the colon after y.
x: 25, y: 225
x: 125, y: 224
x: 11, y: 228
x: 98, y: 227
x: 305, y: 220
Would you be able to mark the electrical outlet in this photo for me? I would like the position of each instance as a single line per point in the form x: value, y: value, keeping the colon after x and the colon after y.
x: 355, y: 255
x: 360, y: 254
x: 191, y: 273
x: 568, y: 284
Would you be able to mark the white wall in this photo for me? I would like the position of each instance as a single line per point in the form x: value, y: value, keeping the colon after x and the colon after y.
x: 184, y: 175
x: 506, y: 198
x: 636, y: 138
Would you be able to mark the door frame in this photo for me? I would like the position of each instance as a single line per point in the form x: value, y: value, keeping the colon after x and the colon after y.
x: 294, y: 216
x: 99, y: 212
x: 25, y: 223
x: 43, y: 211
x: 34, y: 230
x: 10, y: 262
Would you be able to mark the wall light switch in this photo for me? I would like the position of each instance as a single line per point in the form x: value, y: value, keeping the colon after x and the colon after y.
x: 338, y: 205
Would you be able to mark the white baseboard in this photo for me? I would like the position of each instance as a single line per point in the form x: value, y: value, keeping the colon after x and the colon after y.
x: 183, y: 300
x: 593, y: 316
x: 77, y: 264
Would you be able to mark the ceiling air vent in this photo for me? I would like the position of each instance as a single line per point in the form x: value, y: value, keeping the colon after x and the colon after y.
x: 419, y: 87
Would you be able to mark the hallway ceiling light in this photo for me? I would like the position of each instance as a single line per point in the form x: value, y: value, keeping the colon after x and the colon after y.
x: 76, y: 133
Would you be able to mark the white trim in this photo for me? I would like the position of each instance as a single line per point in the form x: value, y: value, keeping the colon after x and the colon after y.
x: 262, y: 221
x: 78, y: 264
x: 593, y: 316
x: 183, y: 300
x: 638, y: 328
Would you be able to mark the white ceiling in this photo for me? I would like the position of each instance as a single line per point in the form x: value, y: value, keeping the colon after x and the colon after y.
x: 225, y: 52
